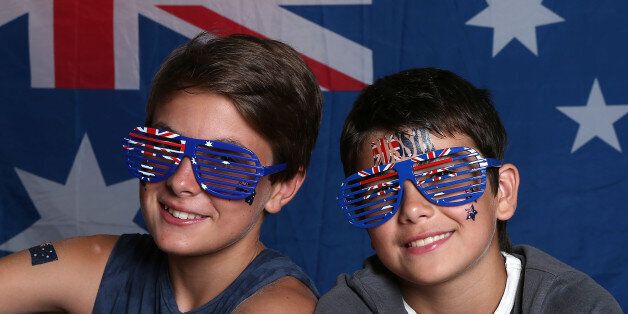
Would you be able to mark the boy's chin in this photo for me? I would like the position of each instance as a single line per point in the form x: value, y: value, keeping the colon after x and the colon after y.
x: 177, y: 246
x: 424, y: 279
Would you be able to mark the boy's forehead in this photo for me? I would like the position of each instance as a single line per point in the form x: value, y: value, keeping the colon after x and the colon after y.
x: 210, y: 116
x: 384, y: 147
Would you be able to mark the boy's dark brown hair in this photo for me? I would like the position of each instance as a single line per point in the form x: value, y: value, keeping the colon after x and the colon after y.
x: 266, y: 80
x: 433, y: 99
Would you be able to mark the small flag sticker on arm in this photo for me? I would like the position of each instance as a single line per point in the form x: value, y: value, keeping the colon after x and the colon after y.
x: 42, y: 254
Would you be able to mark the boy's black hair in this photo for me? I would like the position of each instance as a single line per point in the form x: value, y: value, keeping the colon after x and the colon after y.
x: 433, y: 99
x: 267, y: 81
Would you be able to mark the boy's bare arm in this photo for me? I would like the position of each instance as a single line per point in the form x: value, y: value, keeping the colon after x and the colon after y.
x: 69, y: 283
x: 287, y: 295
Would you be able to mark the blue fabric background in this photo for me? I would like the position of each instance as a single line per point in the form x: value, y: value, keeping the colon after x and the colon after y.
x: 572, y: 205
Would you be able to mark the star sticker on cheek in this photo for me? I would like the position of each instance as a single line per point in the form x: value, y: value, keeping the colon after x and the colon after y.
x: 471, y: 212
x: 249, y: 200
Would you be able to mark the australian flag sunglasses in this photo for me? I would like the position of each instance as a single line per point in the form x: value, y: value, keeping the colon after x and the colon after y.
x: 446, y: 177
x: 221, y: 169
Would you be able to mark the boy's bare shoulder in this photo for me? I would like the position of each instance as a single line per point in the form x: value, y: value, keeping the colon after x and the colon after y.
x: 66, y: 278
x: 286, y: 295
x: 91, y: 248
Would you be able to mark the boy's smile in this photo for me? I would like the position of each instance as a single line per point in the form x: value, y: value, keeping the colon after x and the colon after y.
x: 180, y: 216
x: 424, y: 243
x: 183, y: 218
x: 427, y: 242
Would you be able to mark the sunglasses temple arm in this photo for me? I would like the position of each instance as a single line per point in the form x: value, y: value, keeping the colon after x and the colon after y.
x: 274, y: 169
x: 492, y: 162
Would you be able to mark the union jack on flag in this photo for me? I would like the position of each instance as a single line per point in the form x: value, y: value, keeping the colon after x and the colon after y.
x: 375, y: 170
x: 75, y: 76
x: 386, y: 150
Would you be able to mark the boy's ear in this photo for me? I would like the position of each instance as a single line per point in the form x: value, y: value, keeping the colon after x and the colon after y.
x: 284, y: 191
x: 507, y: 193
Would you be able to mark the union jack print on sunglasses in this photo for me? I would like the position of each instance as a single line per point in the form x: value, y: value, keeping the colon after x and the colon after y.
x: 446, y: 177
x: 222, y: 169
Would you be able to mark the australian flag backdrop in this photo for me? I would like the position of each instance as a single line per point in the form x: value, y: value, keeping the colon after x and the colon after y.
x: 74, y: 79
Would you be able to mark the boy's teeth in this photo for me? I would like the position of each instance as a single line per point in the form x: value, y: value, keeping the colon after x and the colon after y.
x: 181, y: 215
x: 429, y: 240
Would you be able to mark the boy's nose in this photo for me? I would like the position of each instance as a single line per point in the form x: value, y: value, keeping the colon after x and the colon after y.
x: 414, y: 206
x: 183, y: 182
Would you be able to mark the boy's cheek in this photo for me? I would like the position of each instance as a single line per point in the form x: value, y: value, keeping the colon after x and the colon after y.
x: 381, y: 237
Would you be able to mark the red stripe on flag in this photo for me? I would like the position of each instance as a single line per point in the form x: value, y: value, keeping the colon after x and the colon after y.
x: 433, y: 163
x: 377, y: 178
x: 83, y: 44
x: 384, y: 150
x: 182, y: 146
x: 219, y: 25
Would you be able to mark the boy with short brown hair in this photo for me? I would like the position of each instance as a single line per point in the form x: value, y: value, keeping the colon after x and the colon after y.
x: 212, y: 161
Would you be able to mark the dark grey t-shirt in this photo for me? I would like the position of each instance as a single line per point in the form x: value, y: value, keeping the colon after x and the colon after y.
x: 546, y: 286
x: 136, y: 280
